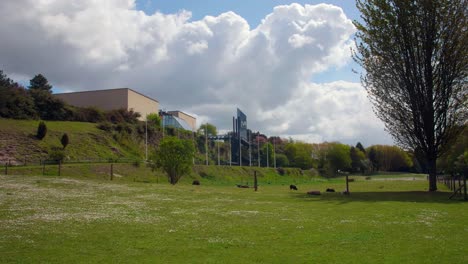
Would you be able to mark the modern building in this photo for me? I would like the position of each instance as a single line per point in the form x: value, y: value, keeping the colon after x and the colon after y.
x: 192, y: 121
x: 178, y: 119
x: 111, y: 99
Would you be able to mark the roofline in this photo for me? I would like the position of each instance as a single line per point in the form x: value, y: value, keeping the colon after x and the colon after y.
x: 90, y: 91
x: 183, y: 113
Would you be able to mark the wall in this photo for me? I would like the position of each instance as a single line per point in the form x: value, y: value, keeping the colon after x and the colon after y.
x: 142, y: 104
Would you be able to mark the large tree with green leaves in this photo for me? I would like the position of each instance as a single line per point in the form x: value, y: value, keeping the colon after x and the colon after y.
x: 208, y: 128
x: 15, y: 102
x: 415, y: 60
x: 175, y: 157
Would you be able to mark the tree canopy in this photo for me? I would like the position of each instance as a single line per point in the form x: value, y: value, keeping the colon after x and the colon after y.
x: 175, y: 157
x: 415, y: 60
x: 210, y: 128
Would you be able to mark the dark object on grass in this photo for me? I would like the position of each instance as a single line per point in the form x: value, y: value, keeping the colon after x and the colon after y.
x: 350, y: 180
x: 41, y: 130
x: 65, y: 140
x: 313, y: 192
x: 330, y: 190
x: 242, y: 186
x: 292, y: 187
x: 196, y: 182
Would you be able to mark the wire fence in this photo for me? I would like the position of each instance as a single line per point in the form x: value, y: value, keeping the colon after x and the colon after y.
x: 456, y: 183
x: 40, y: 162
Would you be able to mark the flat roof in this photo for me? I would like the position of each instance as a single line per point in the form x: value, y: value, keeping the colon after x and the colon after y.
x: 182, y: 113
x: 90, y: 91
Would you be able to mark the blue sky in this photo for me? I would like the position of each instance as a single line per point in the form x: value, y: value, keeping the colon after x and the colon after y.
x: 253, y: 11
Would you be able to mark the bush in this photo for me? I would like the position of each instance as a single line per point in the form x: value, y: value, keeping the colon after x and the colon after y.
x: 136, y: 163
x: 280, y: 171
x: 56, y: 154
x: 106, y: 126
x: 41, y: 130
x: 64, y: 140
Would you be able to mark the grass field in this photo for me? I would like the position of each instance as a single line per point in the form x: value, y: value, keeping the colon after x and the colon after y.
x: 81, y: 220
x: 18, y: 142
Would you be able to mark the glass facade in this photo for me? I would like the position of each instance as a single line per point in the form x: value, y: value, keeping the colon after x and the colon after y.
x: 172, y: 121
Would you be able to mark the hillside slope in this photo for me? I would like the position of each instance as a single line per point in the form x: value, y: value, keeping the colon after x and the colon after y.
x: 19, y: 144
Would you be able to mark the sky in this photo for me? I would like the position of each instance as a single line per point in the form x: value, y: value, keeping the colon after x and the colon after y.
x: 286, y: 64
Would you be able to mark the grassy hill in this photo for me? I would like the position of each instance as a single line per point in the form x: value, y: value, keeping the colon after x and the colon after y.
x: 87, y: 142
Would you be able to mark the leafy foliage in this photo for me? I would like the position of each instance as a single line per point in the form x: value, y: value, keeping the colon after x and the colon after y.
x: 15, y: 102
x: 210, y: 128
x: 415, y: 60
x: 299, y: 155
x: 174, y: 156
x: 39, y: 82
x: 389, y: 158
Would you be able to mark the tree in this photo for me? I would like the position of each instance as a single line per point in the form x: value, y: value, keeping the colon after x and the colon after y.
x: 174, y: 156
x: 211, y: 129
x: 41, y: 130
x: 360, y: 147
x: 65, y: 140
x: 372, y: 155
x: 39, y: 82
x: 154, y: 120
x: 15, y: 102
x: 357, y: 159
x: 338, y: 158
x: 281, y: 160
x: 415, y: 60
x: 47, y: 106
x: 299, y: 155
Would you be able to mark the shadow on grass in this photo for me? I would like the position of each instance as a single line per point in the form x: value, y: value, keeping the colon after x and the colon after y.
x: 404, y: 196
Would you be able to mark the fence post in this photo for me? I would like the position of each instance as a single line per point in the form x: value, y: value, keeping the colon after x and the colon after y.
x: 255, y: 180
x: 112, y: 171
x: 347, y: 184
x: 464, y: 187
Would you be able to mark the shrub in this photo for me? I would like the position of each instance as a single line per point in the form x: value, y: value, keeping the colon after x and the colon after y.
x: 41, y: 130
x: 136, y: 163
x: 64, y: 140
x: 56, y: 154
x: 280, y: 171
x: 106, y: 126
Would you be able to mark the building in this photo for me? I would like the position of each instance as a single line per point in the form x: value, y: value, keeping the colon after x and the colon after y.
x: 178, y: 119
x: 192, y: 121
x: 111, y: 99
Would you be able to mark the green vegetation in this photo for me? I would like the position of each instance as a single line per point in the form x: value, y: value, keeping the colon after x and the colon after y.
x: 175, y: 157
x: 88, y: 142
x: 73, y: 219
x: 65, y: 140
x: 41, y: 130
x: 414, y: 60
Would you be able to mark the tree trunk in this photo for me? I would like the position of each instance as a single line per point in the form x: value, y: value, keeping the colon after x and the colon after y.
x: 432, y: 174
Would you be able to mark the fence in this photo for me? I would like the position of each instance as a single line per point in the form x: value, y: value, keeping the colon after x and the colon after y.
x: 456, y: 183
x: 105, y: 169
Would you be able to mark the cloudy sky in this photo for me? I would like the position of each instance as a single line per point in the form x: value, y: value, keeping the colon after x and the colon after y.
x: 286, y: 64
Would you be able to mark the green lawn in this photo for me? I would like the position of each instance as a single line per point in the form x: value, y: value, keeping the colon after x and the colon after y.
x: 87, y: 142
x: 82, y: 220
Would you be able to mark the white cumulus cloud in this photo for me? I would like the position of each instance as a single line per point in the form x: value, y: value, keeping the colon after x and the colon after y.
x: 207, y: 67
